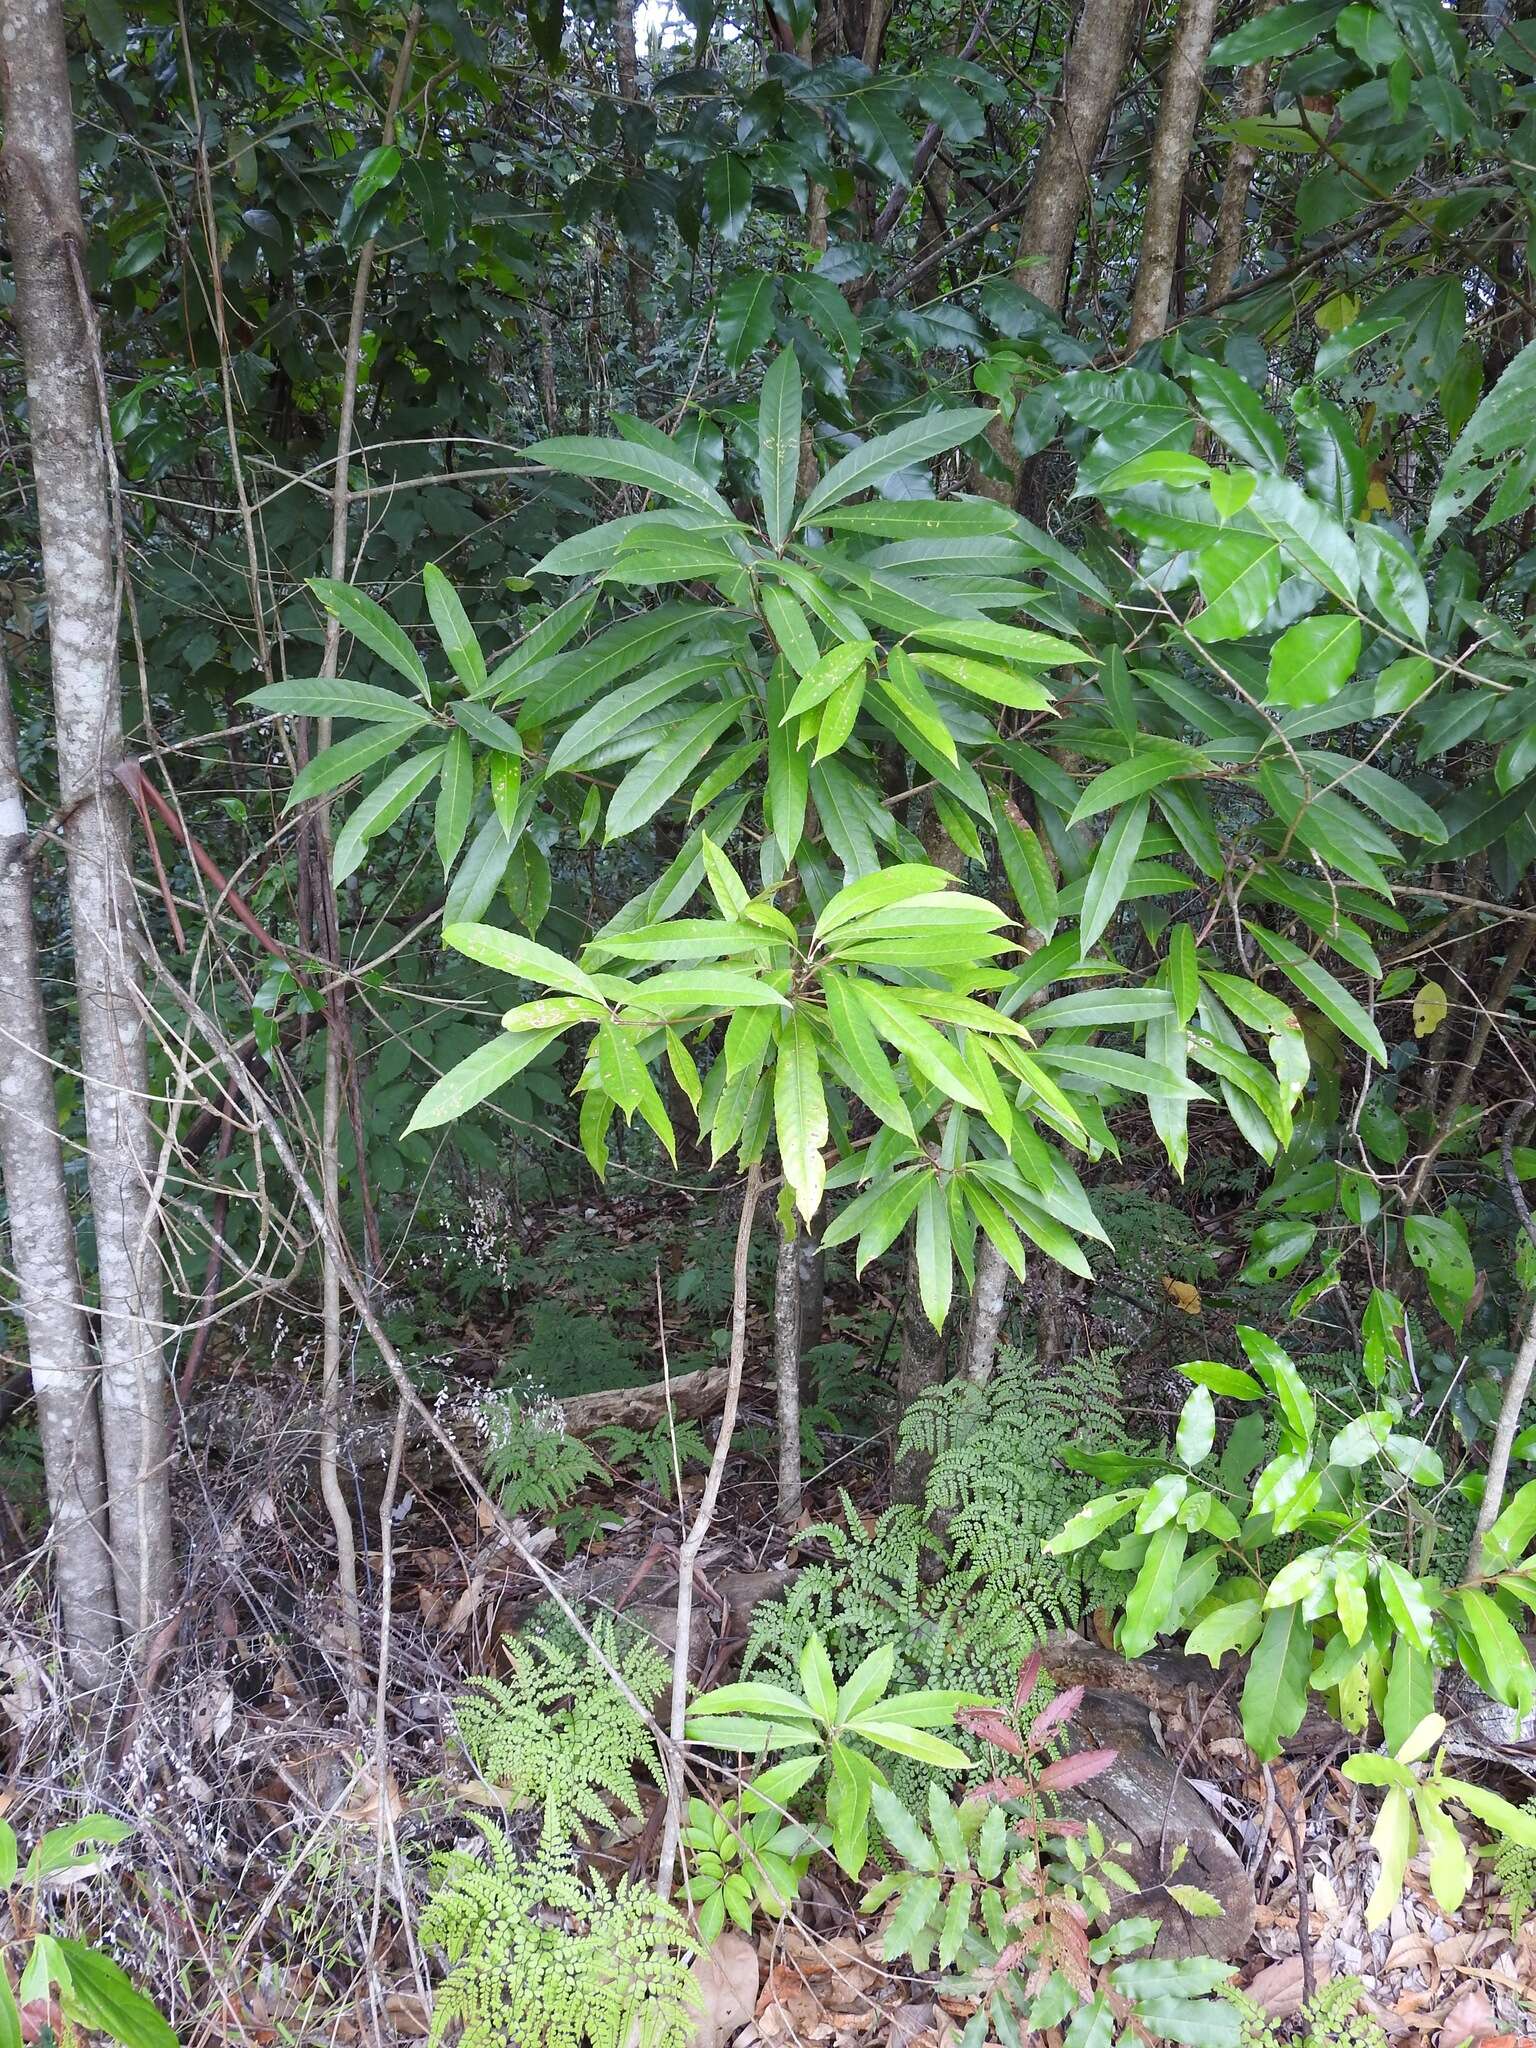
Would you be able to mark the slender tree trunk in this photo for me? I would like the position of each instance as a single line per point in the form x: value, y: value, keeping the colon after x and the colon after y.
x: 1177, y: 114
x: 989, y: 1305
x: 67, y: 419
x: 786, y: 1366
x: 1248, y: 102
x: 626, y: 63
x: 338, y: 1034
x: 43, y: 1255
x: 1091, y: 80
x: 812, y: 1263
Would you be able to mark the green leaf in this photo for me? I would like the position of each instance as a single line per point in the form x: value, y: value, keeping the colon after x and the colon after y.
x: 1277, y: 1249
x: 1183, y: 972
x: 1392, y: 1839
x: 661, y: 773
x: 931, y: 1241
x: 371, y: 624
x: 454, y: 630
x: 337, y: 764
x: 1235, y: 412
x: 871, y: 1073
x: 1324, y: 992
x: 1111, y: 870
x: 336, y: 697
x: 10, y: 2017
x: 453, y: 799
x: 1010, y: 643
x: 590, y: 455
x: 1441, y: 1253
x: 1150, y: 1600
x: 800, y: 1113
x: 932, y: 434
x: 744, y: 316
x: 1275, y: 1690
x: 510, y: 954
x: 379, y: 810
x: 1311, y: 539
x: 108, y: 2001
x: 1510, y: 1536
x: 1091, y: 1521
x: 778, y: 445
x: 908, y: 1924
x: 1278, y: 33
x: 1313, y: 660
x: 1154, y: 763
x: 1392, y: 581
x: 1239, y: 578
x: 1504, y: 1660
x: 902, y: 1831
x: 1197, y: 1427
x: 378, y: 170
x: 827, y: 674
x: 476, y: 1077
x: 489, y: 728
x: 728, y: 194
x: 1407, y: 1603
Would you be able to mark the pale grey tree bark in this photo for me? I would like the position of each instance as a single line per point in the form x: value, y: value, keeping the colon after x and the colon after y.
x: 1248, y: 102
x: 66, y: 416
x: 989, y: 1305
x: 786, y: 1368
x: 43, y: 1256
x: 1178, y: 111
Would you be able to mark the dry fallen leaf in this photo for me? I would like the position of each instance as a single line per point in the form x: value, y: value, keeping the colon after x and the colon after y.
x: 727, y: 1980
x: 1469, y: 2017
x: 1182, y: 1294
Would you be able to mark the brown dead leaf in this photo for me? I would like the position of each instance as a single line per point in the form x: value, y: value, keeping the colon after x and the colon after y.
x: 409, y: 2014
x: 1280, y: 1987
x: 727, y: 1979
x: 463, y: 1609
x: 1469, y: 2017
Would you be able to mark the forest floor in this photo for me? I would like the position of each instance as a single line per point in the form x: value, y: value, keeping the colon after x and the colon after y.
x: 286, y: 1815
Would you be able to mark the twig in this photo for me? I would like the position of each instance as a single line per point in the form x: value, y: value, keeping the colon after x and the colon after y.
x: 1303, y: 1896
x: 693, y: 1542
x: 1517, y: 1386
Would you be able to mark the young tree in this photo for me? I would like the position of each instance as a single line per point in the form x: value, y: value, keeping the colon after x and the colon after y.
x: 67, y: 418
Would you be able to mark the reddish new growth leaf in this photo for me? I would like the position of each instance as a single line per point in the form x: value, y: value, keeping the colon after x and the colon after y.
x: 1037, y: 1825
x: 1029, y: 1678
x: 1056, y: 1715
x: 1001, y: 1788
x: 1075, y: 1770
x: 988, y: 1725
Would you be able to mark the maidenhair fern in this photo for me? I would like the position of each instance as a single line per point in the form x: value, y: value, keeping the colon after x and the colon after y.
x: 529, y: 1460
x: 557, y: 1734
x: 1514, y: 1871
x: 959, y: 1588
x: 538, y: 1956
x: 1336, y: 2018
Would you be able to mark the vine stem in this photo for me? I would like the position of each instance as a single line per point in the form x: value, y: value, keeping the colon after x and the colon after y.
x: 693, y: 1542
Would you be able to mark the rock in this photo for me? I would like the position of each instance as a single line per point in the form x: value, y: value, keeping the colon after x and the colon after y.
x: 1141, y: 1799
x: 727, y: 1980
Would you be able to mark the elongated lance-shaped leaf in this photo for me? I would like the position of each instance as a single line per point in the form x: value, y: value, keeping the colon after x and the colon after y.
x: 370, y: 623
x: 934, y: 434
x: 454, y: 631
x: 379, y: 809
x: 778, y: 445
x: 800, y: 1112
x: 480, y: 1075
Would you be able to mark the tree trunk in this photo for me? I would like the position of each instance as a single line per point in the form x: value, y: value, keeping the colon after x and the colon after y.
x: 66, y: 411
x: 786, y: 1366
x: 1091, y: 78
x: 43, y: 1255
x: 1231, y: 217
x: 1176, y: 117
x: 989, y: 1305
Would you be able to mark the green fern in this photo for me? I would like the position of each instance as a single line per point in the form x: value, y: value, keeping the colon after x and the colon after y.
x: 959, y: 1588
x: 557, y: 1733
x: 1336, y: 2018
x: 1514, y: 1870
x: 530, y: 1461
x: 652, y: 1451
x: 536, y: 1955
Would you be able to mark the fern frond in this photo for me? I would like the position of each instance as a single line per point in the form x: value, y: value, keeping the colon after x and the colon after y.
x: 537, y: 1955
x: 558, y: 1734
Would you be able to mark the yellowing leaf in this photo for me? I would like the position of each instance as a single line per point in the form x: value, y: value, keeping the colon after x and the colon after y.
x: 1182, y: 1294
x: 1377, y: 497
x: 1429, y: 1007
x: 1337, y: 312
